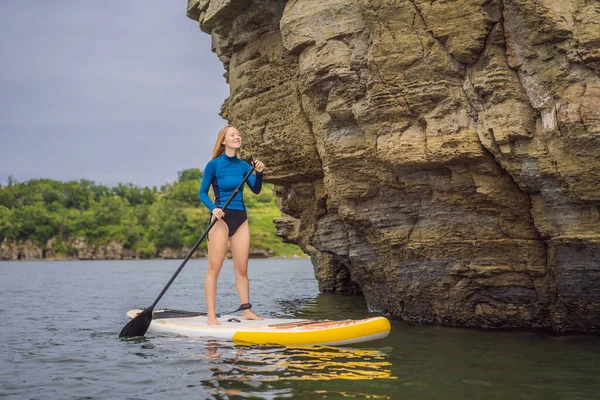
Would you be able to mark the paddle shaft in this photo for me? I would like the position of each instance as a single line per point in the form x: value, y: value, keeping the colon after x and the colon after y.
x: 195, y: 247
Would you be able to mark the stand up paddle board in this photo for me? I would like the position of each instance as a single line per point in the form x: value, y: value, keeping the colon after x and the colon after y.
x: 288, y: 332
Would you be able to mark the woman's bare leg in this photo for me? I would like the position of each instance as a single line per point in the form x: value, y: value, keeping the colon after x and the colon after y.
x: 240, y: 249
x: 217, y: 246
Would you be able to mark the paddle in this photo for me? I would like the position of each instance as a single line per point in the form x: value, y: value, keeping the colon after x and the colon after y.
x: 141, y: 322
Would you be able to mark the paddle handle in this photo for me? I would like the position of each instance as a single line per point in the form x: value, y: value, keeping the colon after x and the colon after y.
x: 195, y: 247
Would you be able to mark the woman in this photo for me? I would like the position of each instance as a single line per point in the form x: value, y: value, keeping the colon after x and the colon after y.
x: 225, y: 172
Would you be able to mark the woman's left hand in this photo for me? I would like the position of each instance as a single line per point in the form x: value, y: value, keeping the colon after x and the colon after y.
x: 259, y: 166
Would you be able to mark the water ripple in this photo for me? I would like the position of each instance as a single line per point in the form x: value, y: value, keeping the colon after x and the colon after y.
x: 68, y: 348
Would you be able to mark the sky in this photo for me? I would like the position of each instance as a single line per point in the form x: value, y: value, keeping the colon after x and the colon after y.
x: 113, y: 91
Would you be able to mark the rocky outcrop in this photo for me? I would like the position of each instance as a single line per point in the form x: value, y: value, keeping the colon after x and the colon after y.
x: 79, y: 249
x: 12, y: 251
x: 442, y: 158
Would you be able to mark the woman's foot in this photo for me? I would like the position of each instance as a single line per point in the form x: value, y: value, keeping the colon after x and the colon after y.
x: 248, y: 314
x: 212, y: 320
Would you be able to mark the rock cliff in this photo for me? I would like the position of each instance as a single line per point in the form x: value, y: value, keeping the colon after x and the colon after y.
x: 440, y: 157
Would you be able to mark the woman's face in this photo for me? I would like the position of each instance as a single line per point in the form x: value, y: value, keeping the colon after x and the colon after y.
x: 233, y: 140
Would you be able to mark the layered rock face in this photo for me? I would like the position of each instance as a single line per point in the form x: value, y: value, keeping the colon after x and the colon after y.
x: 440, y: 157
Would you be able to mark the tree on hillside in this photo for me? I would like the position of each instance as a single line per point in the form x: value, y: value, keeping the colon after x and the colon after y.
x: 134, y: 194
x: 192, y: 174
x: 185, y: 193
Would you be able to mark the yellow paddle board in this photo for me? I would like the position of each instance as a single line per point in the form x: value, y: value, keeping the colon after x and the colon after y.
x: 288, y: 332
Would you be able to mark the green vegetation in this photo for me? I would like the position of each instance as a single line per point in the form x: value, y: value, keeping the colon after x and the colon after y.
x: 144, y: 220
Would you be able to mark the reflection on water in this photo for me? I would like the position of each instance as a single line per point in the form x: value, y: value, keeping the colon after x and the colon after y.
x: 296, y: 372
x: 265, y: 368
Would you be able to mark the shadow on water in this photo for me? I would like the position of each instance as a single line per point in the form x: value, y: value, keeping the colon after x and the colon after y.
x: 324, y: 306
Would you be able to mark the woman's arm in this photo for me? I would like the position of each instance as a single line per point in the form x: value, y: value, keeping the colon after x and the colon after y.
x: 209, y: 174
x: 255, y: 181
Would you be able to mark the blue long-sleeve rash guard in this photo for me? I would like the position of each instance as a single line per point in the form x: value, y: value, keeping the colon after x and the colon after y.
x: 225, y: 173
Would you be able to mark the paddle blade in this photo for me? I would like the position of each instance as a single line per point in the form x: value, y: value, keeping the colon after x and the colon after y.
x: 138, y: 325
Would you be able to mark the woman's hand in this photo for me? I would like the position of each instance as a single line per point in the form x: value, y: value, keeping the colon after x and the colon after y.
x: 259, y: 166
x: 218, y: 213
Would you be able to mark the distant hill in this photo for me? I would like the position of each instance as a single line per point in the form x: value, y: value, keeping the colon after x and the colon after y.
x: 48, y: 219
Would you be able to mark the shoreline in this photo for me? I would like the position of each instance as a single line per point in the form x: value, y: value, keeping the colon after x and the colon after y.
x: 79, y: 249
x: 295, y: 257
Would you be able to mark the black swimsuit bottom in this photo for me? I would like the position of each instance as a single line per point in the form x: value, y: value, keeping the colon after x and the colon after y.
x: 234, y: 219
